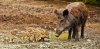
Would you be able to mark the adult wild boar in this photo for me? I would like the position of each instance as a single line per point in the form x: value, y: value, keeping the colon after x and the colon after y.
x: 71, y: 18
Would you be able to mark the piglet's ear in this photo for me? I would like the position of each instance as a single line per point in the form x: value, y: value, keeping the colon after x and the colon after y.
x: 56, y: 11
x: 65, y: 12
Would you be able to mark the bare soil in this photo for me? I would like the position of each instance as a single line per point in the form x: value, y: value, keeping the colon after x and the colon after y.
x: 20, y: 14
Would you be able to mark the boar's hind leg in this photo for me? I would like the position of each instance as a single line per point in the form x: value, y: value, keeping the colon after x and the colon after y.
x: 69, y: 34
x: 82, y: 30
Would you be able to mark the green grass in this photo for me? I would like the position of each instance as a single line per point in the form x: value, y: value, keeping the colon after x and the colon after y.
x: 63, y: 36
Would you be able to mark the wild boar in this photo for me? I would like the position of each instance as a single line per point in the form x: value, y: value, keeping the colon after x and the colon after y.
x: 71, y: 18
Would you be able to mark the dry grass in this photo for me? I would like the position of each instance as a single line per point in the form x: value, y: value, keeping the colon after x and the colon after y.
x: 93, y: 25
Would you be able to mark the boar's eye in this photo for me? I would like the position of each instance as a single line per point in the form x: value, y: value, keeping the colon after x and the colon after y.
x: 65, y: 12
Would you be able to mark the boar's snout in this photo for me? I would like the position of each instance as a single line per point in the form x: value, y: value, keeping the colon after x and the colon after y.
x: 57, y: 35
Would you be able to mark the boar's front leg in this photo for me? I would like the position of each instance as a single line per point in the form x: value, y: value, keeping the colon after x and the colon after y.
x: 76, y: 33
x: 73, y: 36
x: 69, y: 34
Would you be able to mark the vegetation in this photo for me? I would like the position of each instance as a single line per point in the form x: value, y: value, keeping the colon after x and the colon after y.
x: 97, y: 2
x: 92, y: 1
x: 93, y: 25
x: 63, y: 36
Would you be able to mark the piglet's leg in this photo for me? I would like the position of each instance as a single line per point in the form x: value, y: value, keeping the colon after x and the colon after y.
x: 11, y: 40
x: 21, y: 38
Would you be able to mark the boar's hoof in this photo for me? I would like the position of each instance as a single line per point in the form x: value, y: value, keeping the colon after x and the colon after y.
x: 76, y: 40
x: 82, y: 37
x: 73, y: 37
x: 69, y: 39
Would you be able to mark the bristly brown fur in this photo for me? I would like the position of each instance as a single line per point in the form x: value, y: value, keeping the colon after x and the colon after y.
x: 73, y: 19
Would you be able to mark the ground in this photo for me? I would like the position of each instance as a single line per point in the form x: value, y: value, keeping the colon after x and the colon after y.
x: 20, y: 14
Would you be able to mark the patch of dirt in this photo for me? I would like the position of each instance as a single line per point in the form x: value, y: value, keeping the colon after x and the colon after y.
x: 22, y: 14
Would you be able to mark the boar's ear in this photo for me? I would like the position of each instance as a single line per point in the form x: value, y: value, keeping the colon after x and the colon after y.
x: 65, y: 12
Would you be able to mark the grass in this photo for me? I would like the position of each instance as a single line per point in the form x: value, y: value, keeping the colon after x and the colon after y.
x: 93, y: 25
x: 63, y: 36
